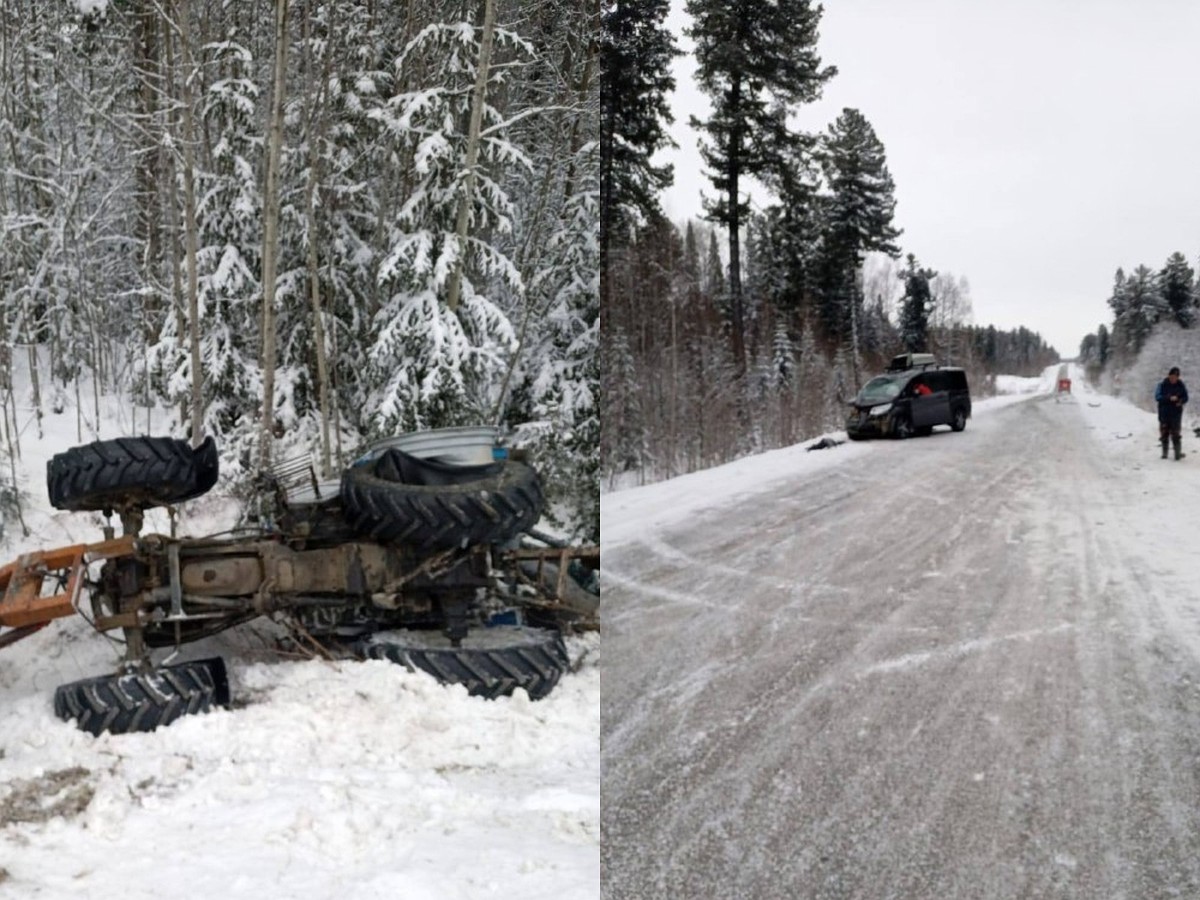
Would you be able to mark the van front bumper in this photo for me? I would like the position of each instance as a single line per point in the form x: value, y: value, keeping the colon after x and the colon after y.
x: 860, y: 424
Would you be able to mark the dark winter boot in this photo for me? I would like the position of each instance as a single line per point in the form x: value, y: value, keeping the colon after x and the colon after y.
x: 1164, y: 446
x: 1179, y: 454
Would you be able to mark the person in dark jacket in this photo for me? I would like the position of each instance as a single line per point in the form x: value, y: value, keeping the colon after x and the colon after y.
x: 1171, y: 395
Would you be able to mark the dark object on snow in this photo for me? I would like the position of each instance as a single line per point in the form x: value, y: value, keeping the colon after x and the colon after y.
x: 399, y: 498
x: 128, y: 472
x: 823, y: 444
x: 120, y: 704
x: 491, y: 662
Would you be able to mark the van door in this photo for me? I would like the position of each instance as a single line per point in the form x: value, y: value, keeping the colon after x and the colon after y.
x: 932, y: 409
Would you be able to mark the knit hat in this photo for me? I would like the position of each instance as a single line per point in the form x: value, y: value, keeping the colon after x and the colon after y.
x: 1174, y: 370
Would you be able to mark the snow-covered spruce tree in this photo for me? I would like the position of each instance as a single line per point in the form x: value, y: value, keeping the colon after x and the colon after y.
x: 229, y: 212
x: 915, y: 306
x: 623, y: 437
x: 1176, y: 281
x: 795, y: 233
x: 434, y: 365
x: 783, y: 375
x: 229, y: 243
x: 757, y: 61
x: 1138, y: 305
x: 812, y: 377
x: 565, y: 373
x: 329, y: 203
x: 551, y: 388
x: 1103, y: 345
x: 1118, y: 303
x: 356, y: 182
x: 713, y: 274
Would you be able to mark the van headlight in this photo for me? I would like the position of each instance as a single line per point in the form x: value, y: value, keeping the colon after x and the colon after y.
x: 880, y: 410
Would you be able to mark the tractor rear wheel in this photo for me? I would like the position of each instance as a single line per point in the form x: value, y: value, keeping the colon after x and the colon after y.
x: 398, y: 498
x: 130, y: 472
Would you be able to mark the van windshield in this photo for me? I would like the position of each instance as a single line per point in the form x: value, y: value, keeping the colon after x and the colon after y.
x: 882, y: 389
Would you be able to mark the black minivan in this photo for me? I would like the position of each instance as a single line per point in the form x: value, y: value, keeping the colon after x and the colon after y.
x: 910, y: 398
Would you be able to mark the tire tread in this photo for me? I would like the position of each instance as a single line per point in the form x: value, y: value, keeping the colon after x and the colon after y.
x: 486, y: 672
x: 140, y: 702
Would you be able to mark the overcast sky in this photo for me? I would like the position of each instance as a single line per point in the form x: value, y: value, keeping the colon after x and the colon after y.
x: 1036, y: 145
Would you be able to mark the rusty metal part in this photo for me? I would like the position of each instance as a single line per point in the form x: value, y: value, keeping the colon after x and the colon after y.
x: 160, y: 590
x: 261, y: 568
x: 120, y: 620
x: 560, y: 558
x: 24, y: 580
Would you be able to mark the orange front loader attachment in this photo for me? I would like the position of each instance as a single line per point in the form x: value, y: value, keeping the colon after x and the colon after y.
x: 25, y: 608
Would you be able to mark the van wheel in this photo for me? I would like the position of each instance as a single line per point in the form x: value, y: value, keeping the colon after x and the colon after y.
x: 960, y: 420
x: 902, y: 428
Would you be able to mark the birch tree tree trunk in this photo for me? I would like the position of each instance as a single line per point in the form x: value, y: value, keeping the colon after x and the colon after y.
x: 478, y: 98
x: 190, y: 224
x: 271, y: 233
x: 315, y: 105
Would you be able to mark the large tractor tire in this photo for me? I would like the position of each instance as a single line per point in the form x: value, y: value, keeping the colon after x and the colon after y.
x: 120, y: 704
x: 492, y: 662
x: 130, y: 472
x: 398, y: 498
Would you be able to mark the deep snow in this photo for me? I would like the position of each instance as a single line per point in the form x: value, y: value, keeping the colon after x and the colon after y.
x: 323, y: 780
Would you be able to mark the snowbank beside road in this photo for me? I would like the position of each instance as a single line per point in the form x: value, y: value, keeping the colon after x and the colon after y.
x: 625, y: 514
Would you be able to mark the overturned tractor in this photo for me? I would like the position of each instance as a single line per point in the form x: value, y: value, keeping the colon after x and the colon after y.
x: 428, y: 560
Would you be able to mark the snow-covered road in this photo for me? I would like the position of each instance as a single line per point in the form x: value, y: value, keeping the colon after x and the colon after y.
x: 960, y: 666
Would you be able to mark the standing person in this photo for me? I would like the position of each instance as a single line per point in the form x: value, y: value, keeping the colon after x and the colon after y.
x: 1171, y: 395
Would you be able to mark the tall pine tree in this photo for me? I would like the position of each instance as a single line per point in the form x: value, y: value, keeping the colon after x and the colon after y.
x: 636, y: 81
x: 757, y: 61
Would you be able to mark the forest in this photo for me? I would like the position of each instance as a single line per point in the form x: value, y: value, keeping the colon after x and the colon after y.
x: 1142, y: 302
x: 303, y: 225
x: 753, y: 328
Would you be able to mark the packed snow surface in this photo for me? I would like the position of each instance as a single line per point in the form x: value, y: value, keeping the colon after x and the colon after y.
x: 325, y: 779
x: 963, y: 666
